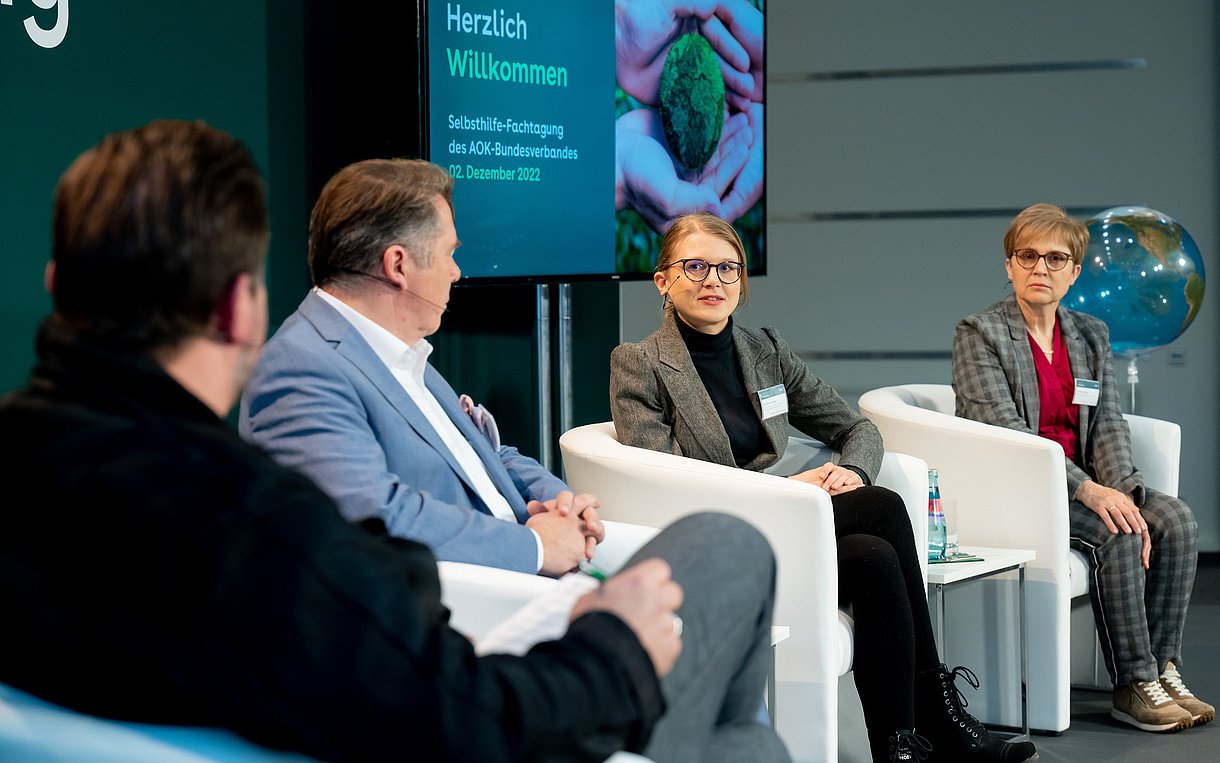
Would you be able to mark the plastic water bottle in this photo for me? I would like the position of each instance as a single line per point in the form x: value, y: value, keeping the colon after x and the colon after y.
x: 936, y: 518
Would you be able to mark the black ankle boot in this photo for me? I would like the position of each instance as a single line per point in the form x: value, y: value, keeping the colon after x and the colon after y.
x: 955, y: 734
x: 903, y: 746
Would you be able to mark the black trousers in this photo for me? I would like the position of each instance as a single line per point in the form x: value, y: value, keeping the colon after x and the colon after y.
x: 879, y: 577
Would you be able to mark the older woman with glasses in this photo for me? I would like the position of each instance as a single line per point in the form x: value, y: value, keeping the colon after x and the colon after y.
x: 705, y: 388
x: 1030, y: 364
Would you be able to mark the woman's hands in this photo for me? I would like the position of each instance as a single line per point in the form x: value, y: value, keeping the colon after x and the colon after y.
x: 832, y: 478
x: 647, y: 181
x: 644, y: 32
x: 1117, y: 510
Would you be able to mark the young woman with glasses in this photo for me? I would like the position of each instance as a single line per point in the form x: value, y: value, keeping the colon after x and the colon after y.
x: 1020, y: 364
x: 705, y: 388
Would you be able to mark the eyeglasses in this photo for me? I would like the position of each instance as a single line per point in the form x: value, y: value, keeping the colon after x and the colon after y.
x: 1028, y: 258
x: 697, y: 270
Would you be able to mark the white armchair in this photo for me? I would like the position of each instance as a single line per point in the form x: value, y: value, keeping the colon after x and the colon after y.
x: 649, y: 488
x: 1009, y: 489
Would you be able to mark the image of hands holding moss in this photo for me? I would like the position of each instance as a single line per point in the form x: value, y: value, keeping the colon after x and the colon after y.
x: 689, y: 133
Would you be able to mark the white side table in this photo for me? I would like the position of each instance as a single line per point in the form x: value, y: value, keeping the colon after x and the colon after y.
x: 995, y: 561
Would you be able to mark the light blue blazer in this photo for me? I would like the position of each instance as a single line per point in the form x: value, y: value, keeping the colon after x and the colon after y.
x: 322, y: 402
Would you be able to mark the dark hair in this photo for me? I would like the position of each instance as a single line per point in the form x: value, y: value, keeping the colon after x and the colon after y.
x: 152, y: 225
x: 368, y: 207
x: 1047, y: 220
x: 688, y: 225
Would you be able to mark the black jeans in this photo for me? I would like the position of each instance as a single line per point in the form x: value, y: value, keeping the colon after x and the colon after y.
x: 879, y: 577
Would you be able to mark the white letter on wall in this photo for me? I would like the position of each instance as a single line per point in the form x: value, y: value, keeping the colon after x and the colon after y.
x: 49, y: 38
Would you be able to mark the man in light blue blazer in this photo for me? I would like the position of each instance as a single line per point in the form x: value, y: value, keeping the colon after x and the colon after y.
x: 344, y: 393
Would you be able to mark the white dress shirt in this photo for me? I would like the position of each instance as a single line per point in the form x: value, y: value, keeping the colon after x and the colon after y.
x: 407, y: 364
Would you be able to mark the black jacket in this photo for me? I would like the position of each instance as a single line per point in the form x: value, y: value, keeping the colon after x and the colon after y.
x: 161, y: 570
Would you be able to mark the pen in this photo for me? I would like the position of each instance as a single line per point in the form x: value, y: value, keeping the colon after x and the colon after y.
x: 593, y: 572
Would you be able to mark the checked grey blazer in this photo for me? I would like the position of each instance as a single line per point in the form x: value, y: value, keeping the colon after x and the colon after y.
x: 659, y: 402
x: 995, y: 382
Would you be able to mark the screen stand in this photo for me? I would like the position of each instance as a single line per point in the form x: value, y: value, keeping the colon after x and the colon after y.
x: 546, y: 437
x: 542, y: 336
x: 565, y: 359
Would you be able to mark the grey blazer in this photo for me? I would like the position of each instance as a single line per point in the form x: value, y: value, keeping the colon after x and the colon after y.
x: 995, y: 382
x: 659, y: 402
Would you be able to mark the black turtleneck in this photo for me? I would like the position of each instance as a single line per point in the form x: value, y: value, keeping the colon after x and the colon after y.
x: 715, y: 359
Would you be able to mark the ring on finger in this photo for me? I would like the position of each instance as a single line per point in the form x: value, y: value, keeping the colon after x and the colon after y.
x: 677, y: 626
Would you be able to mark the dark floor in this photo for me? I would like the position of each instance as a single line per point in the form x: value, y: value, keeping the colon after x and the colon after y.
x: 1093, y: 735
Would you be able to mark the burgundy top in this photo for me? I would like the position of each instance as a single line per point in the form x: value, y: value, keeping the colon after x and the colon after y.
x: 1057, y: 417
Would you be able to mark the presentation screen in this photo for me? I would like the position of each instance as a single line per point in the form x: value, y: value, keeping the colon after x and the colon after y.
x: 576, y: 131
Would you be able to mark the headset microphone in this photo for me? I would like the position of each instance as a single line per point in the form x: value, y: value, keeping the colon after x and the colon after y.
x: 388, y: 282
x: 425, y: 300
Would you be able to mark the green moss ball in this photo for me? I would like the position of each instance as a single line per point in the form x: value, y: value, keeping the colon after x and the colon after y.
x: 692, y: 100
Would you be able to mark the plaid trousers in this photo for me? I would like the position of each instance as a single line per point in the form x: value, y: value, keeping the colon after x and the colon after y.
x: 1140, y: 613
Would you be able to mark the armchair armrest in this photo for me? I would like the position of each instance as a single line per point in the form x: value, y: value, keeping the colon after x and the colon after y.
x: 908, y: 477
x: 1000, y: 487
x: 480, y: 597
x: 1156, y: 450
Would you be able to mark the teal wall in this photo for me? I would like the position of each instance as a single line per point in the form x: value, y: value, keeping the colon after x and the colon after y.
x: 121, y: 63
x: 273, y: 74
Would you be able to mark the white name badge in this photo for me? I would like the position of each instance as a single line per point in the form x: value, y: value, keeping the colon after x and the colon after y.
x: 1088, y: 392
x: 774, y: 401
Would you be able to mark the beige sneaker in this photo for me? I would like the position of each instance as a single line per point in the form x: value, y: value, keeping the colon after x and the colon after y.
x: 1200, y: 711
x: 1147, y: 706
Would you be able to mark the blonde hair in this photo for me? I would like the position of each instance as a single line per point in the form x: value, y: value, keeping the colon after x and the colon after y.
x: 686, y: 226
x: 1047, y: 220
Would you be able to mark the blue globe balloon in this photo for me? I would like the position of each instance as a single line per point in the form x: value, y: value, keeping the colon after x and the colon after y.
x: 1142, y: 274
